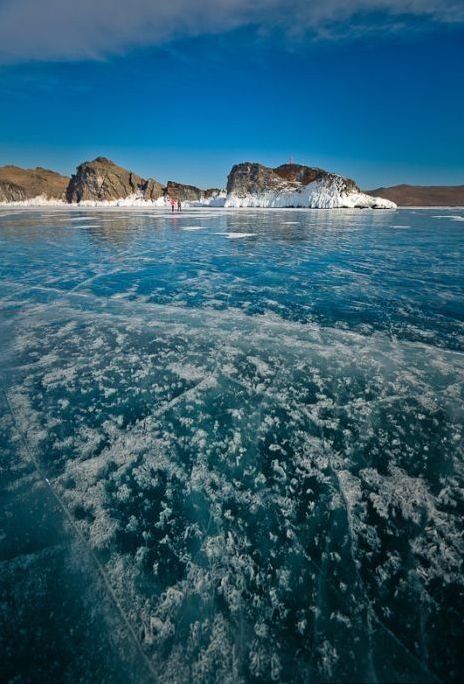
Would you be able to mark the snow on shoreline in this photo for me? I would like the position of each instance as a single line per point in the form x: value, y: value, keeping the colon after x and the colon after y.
x: 242, y: 204
x: 316, y: 195
x: 41, y: 203
x: 130, y: 201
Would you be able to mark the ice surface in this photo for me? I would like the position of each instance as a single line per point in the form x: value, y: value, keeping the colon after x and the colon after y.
x: 450, y: 217
x: 259, y: 441
x: 234, y: 235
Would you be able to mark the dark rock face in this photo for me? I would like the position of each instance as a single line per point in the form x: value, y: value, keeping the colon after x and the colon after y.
x: 250, y: 178
x: 189, y: 193
x: 18, y: 184
x: 423, y: 196
x: 184, y: 193
x: 212, y: 192
x: 11, y: 192
x: 297, y: 173
x: 152, y: 189
x: 102, y: 179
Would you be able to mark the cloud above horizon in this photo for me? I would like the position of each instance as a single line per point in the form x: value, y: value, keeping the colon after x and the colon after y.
x: 55, y: 30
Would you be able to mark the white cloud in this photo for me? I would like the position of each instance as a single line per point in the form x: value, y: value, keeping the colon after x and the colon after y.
x: 94, y: 29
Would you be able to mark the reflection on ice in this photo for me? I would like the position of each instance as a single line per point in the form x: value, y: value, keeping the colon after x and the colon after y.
x: 259, y: 440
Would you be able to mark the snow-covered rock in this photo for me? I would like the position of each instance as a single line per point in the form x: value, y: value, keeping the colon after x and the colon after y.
x: 292, y: 185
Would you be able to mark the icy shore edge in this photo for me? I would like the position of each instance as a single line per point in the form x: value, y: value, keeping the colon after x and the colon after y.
x: 317, y: 195
x: 130, y: 201
x: 313, y: 196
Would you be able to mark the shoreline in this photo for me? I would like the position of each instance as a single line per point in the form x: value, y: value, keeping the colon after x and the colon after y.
x: 157, y: 208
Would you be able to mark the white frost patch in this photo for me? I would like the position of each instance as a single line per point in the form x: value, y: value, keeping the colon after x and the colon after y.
x: 235, y: 236
x: 89, y: 225
x: 82, y: 218
x: 39, y: 201
x: 134, y: 200
x: 137, y: 200
x: 187, y: 371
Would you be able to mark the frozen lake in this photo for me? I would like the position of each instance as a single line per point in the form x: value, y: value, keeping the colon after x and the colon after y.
x: 231, y: 445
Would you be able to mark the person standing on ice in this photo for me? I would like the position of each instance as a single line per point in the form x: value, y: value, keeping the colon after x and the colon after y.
x: 179, y: 205
x: 173, y: 204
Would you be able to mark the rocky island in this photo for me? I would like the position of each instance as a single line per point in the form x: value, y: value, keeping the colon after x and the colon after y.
x: 295, y: 185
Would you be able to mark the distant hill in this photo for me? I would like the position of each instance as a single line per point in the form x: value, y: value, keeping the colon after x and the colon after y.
x: 423, y: 195
x: 18, y: 185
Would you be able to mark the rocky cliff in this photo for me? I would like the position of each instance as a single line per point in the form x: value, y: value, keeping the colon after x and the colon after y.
x: 186, y: 193
x: 423, y: 195
x: 20, y: 185
x: 102, y: 180
x: 189, y: 193
x: 294, y: 185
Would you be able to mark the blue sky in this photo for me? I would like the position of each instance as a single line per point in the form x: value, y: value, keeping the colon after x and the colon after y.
x: 377, y: 95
